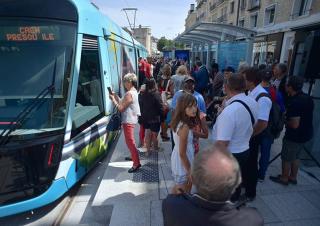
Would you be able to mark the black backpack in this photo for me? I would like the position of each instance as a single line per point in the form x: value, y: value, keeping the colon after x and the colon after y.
x: 276, y: 117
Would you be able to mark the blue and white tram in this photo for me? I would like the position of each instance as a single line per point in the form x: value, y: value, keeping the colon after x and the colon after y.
x: 57, y: 58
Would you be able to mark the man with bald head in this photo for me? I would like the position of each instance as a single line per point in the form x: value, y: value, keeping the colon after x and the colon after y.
x: 215, y: 175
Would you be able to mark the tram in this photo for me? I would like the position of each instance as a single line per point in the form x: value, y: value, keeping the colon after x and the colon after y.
x: 57, y: 59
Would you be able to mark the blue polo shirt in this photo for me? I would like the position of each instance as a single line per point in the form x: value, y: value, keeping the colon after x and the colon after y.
x: 200, y: 101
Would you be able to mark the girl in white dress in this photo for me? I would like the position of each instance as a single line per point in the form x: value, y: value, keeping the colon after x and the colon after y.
x: 183, y: 152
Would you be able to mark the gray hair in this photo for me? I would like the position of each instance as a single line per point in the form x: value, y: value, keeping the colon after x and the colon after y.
x: 243, y: 66
x: 216, y: 183
x: 130, y: 77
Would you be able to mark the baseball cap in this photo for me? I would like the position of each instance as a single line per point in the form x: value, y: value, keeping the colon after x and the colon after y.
x: 229, y: 69
x: 189, y: 78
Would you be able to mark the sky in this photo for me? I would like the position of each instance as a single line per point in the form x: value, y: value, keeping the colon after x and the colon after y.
x: 164, y: 17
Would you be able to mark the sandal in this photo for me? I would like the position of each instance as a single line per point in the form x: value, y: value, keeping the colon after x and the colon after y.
x: 278, y: 180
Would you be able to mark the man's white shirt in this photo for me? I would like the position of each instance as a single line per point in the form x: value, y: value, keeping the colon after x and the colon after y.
x: 234, y: 123
x: 264, y: 103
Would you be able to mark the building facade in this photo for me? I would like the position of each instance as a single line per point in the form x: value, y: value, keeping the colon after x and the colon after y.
x: 154, y: 47
x: 288, y: 31
x: 277, y: 23
x: 143, y: 35
x: 191, y: 17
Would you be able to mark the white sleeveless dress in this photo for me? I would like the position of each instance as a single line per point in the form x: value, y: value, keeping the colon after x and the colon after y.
x: 178, y: 171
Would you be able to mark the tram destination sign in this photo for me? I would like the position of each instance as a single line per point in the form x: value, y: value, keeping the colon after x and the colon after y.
x: 29, y: 33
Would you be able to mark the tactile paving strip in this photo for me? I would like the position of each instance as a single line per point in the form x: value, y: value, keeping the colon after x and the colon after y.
x: 149, y: 171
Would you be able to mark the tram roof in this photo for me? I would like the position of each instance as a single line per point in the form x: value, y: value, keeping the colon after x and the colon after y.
x: 93, y: 21
x: 209, y: 32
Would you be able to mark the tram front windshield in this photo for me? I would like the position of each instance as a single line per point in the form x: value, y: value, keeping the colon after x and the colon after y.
x: 34, y: 55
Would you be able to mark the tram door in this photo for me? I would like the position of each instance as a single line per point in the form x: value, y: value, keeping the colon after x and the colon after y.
x: 114, y: 52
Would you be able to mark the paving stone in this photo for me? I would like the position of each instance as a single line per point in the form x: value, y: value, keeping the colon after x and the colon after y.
x: 264, y: 210
x: 290, y: 206
x: 156, y: 213
x: 163, y: 191
x: 315, y: 171
x: 167, y: 177
x: 274, y: 224
x: 313, y: 197
x: 308, y: 222
x: 85, y: 193
x: 161, y: 157
x: 131, y: 213
x: 113, y: 193
x: 74, y: 215
x: 97, y: 215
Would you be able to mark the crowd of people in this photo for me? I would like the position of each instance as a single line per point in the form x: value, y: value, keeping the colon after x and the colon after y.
x: 248, y: 108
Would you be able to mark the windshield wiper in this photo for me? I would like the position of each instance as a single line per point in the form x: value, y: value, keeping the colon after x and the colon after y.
x: 36, y: 103
x: 22, y: 117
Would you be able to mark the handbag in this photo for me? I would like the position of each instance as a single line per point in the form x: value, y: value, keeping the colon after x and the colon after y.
x: 166, y: 101
x: 115, y: 122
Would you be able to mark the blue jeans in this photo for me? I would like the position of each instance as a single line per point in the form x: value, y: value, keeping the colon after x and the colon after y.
x: 265, y: 149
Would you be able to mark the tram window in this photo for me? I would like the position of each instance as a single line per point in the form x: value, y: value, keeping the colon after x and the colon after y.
x: 114, y: 60
x: 127, y: 60
x: 89, y: 101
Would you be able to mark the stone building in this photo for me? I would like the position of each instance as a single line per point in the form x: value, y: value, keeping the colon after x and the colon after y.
x: 287, y: 31
x: 278, y: 24
x: 154, y: 48
x: 143, y: 35
x: 191, y: 17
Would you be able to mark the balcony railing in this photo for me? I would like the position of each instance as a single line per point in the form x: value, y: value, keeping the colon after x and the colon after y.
x: 253, y: 4
x: 200, y: 3
x: 213, y: 6
x: 222, y: 19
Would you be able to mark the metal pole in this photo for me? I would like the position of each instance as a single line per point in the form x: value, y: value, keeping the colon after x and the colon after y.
x: 238, y: 11
x: 134, y: 19
x: 249, y: 51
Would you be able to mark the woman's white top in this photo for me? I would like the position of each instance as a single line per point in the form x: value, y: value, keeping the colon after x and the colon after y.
x: 130, y: 115
x: 176, y: 163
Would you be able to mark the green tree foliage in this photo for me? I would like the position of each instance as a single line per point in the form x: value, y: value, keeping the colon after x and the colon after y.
x: 167, y: 44
x: 162, y: 43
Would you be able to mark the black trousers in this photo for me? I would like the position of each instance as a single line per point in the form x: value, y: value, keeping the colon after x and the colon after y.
x: 252, y: 167
x: 242, y: 159
x: 142, y: 78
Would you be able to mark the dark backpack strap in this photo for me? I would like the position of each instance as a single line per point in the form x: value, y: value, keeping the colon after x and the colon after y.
x: 248, y: 109
x: 263, y: 95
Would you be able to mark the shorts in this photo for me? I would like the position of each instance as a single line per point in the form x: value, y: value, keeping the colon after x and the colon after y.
x: 180, y: 180
x: 154, y: 127
x: 291, y: 150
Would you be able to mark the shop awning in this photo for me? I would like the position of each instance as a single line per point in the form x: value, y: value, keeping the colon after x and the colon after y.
x: 209, y: 32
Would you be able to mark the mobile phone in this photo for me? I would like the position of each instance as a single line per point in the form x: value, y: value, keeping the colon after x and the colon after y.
x: 109, y: 90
